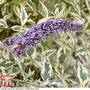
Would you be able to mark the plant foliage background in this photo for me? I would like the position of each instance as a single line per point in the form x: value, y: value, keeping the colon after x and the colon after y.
x: 59, y: 61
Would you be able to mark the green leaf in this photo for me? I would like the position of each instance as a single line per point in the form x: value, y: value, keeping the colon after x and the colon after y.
x: 60, y: 11
x: 6, y: 65
x: 76, y: 7
x: 48, y: 53
x: 2, y: 1
x: 88, y: 4
x: 17, y: 11
x: 3, y: 24
x: 46, y: 69
x: 44, y: 11
x: 36, y: 2
x: 82, y: 73
x: 32, y: 6
x: 30, y: 51
x: 21, y: 13
x: 15, y: 69
x: 81, y: 53
x: 16, y: 28
x: 61, y: 55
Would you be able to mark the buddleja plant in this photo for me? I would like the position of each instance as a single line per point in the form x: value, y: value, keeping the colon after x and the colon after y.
x: 44, y: 44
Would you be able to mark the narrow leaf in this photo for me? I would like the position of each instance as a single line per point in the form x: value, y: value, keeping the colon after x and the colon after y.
x: 44, y: 10
x: 30, y: 51
x: 23, y: 15
x: 16, y: 28
x: 32, y: 6
x: 46, y: 69
x: 82, y: 73
x: 61, y: 55
x: 3, y: 24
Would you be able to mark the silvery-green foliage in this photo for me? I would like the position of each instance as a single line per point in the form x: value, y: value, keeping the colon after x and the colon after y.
x: 46, y: 69
x: 58, y: 61
x: 3, y: 24
x: 61, y: 55
x: 44, y: 10
x: 21, y: 13
x: 82, y: 74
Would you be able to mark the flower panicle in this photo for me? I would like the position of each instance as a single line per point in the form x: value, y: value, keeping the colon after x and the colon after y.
x: 36, y: 34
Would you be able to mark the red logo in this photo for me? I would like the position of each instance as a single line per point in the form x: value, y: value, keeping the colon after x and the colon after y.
x: 6, y: 80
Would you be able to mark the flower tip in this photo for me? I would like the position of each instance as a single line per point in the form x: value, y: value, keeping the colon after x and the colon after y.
x: 79, y: 22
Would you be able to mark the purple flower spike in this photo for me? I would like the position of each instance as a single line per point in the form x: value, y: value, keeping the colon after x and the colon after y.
x: 6, y: 42
x: 11, y: 41
x: 19, y: 50
x: 16, y: 40
x: 36, y: 34
x: 77, y: 25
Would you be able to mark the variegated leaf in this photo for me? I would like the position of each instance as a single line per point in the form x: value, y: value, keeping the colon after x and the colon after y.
x: 46, y: 69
